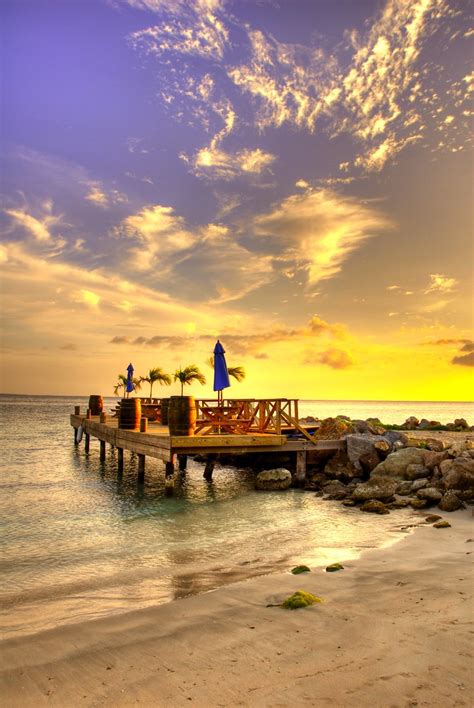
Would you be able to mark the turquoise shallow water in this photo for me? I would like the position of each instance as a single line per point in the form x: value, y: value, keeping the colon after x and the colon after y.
x: 77, y: 542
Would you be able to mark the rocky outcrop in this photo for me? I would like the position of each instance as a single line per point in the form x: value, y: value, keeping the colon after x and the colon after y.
x: 397, y: 462
x: 376, y: 488
x: 272, y: 480
x: 450, y: 502
x: 334, y: 428
x: 374, y: 507
x: 459, y: 474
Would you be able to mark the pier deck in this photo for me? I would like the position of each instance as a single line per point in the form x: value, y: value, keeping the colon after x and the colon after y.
x: 156, y: 442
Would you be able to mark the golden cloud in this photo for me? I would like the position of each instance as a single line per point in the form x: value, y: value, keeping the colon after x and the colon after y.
x: 319, y: 229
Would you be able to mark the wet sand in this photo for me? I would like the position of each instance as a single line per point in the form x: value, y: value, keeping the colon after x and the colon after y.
x: 395, y: 629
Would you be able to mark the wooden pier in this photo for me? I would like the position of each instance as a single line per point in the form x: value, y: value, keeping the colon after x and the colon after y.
x: 267, y: 427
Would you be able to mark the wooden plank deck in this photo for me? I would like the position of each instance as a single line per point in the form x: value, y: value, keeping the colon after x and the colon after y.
x: 156, y: 441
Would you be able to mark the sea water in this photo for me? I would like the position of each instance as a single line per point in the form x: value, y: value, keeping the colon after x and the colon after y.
x: 79, y: 542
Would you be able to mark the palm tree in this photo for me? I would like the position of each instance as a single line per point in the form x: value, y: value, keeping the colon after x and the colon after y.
x: 188, y: 375
x: 122, y: 383
x: 156, y: 374
x: 237, y: 372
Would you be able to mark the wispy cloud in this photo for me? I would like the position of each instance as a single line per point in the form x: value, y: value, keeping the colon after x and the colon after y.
x: 333, y: 357
x: 41, y: 226
x: 318, y: 230
x: 101, y: 197
x: 441, y: 284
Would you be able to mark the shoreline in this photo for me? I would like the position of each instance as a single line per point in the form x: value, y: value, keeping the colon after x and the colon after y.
x: 225, y: 647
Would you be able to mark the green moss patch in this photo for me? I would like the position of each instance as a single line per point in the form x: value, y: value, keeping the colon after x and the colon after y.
x: 333, y: 567
x: 300, y: 598
x: 300, y: 569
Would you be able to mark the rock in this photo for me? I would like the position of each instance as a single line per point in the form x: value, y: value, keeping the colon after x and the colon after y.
x: 374, y: 507
x: 333, y: 429
x: 340, y: 467
x: 450, y: 502
x: 432, y: 518
x: 416, y: 472
x: 375, y: 426
x: 397, y: 462
x: 404, y: 488
x: 431, y: 495
x: 441, y: 525
x: 400, y: 502
x: 383, y: 448
x: 348, y: 502
x: 418, y: 503
x: 436, y: 444
x: 445, y: 466
x: 335, y: 490
x: 461, y: 423
x: 423, y: 424
x: 395, y: 436
x: 319, y: 479
x: 434, y: 424
x: 359, y: 445
x: 398, y: 445
x: 308, y: 419
x: 300, y: 599
x: 334, y: 567
x: 411, y: 423
x: 360, y: 426
x: 456, y: 449
x: 368, y: 462
x: 300, y: 569
x: 460, y: 475
x: 419, y: 484
x: 381, y: 489
x: 273, y: 480
x: 431, y: 459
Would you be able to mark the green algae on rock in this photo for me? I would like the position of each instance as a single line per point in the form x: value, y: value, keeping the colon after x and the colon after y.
x: 300, y: 569
x: 300, y: 598
x: 441, y: 525
x: 333, y: 567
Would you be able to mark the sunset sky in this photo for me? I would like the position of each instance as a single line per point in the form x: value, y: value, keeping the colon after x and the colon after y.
x: 292, y: 176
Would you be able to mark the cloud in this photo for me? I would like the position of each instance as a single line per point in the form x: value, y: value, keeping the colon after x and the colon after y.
x: 41, y: 226
x: 102, y: 198
x: 438, y: 342
x: 214, y: 163
x: 441, y: 284
x: 319, y: 326
x: 464, y: 359
x: 334, y: 358
x: 318, y: 230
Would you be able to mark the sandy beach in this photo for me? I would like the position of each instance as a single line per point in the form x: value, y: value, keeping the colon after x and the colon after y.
x: 395, y: 629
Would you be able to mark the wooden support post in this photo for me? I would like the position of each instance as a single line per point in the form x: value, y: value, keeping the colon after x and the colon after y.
x: 182, y: 462
x: 102, y: 450
x: 88, y: 414
x: 141, y: 468
x: 103, y: 417
x: 169, y: 469
x: 143, y: 425
x: 74, y: 432
x: 87, y: 442
x: 120, y: 459
x: 300, y: 474
x: 169, y: 476
x: 209, y: 467
x: 77, y: 410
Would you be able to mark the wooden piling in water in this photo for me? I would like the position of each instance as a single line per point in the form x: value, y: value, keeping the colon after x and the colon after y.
x: 209, y: 467
x: 87, y: 442
x: 300, y: 474
x: 102, y: 450
x: 141, y: 468
x: 120, y: 459
x: 182, y: 462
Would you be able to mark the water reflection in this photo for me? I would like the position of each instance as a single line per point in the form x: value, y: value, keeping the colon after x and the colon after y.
x: 80, y: 541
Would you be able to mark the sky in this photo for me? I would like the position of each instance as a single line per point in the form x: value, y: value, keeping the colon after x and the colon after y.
x: 293, y: 177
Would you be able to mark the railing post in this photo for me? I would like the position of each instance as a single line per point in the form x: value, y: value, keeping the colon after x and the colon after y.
x: 278, y: 417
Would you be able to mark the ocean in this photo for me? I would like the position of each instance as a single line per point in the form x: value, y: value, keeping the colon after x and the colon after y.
x: 78, y: 542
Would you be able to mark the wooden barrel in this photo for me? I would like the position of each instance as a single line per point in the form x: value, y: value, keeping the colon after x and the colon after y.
x: 165, y: 403
x: 130, y: 414
x: 182, y: 415
x: 96, y: 405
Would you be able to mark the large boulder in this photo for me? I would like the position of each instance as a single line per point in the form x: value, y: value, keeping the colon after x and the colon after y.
x: 457, y: 448
x: 334, y: 428
x: 381, y: 489
x: 397, y: 462
x: 431, y: 494
x: 339, y: 466
x: 411, y: 423
x: 450, y: 502
x: 362, y: 445
x: 416, y: 472
x: 432, y: 459
x: 271, y: 480
x: 460, y: 474
x: 461, y: 423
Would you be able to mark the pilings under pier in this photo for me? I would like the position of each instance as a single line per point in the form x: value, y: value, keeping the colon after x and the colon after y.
x: 153, y: 440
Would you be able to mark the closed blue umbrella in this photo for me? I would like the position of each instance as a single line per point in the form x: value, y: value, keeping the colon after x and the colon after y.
x: 221, y: 375
x: 130, y: 387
